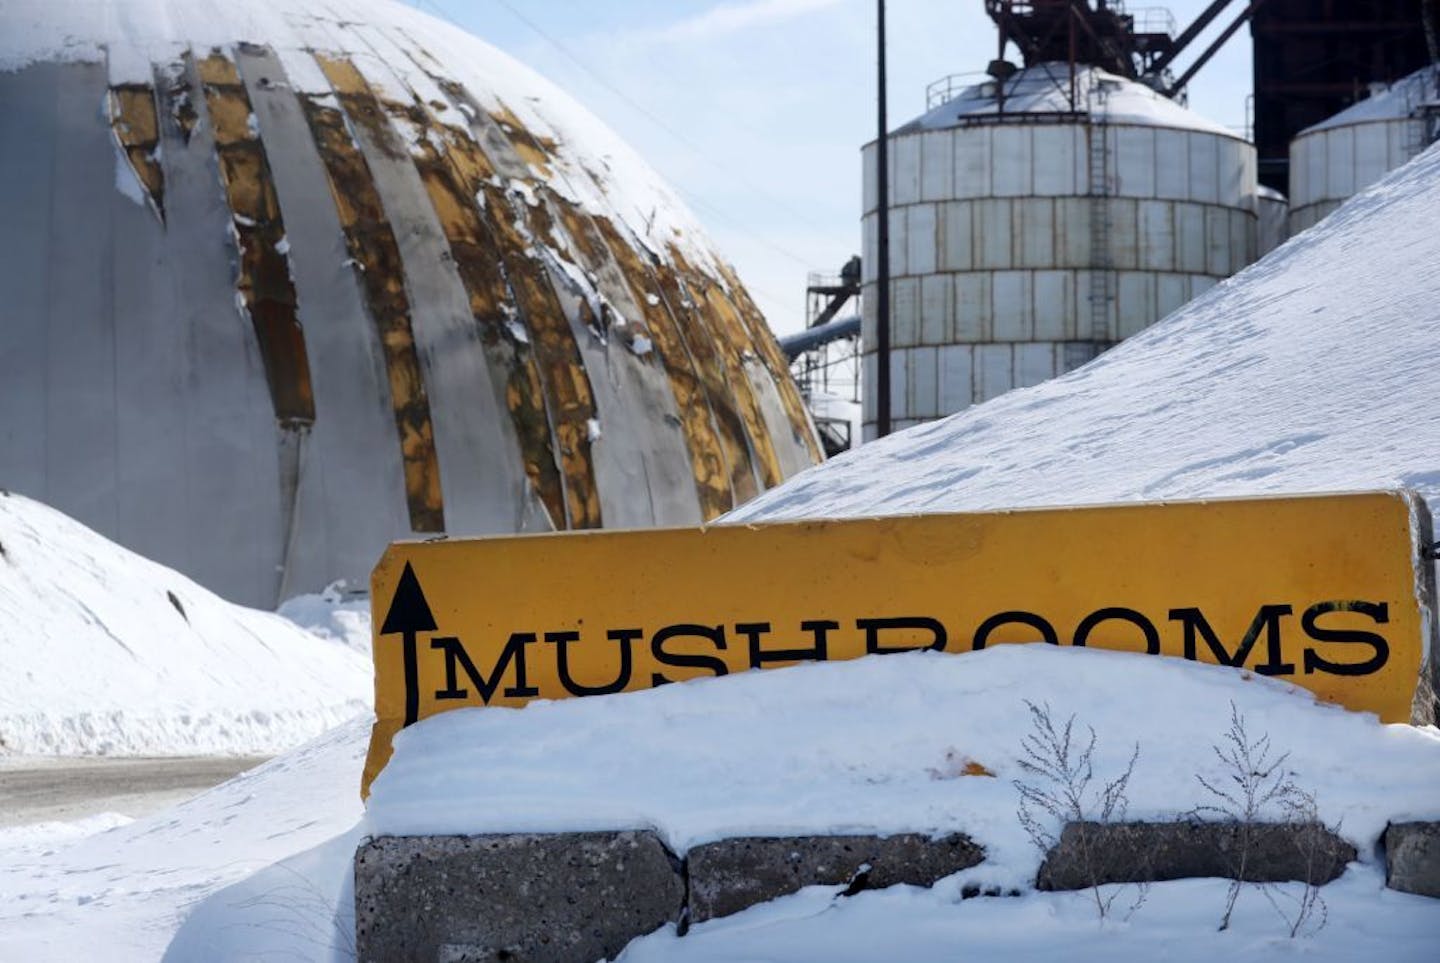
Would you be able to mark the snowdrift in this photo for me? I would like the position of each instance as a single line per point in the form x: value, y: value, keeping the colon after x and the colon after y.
x: 106, y: 652
x: 1310, y: 371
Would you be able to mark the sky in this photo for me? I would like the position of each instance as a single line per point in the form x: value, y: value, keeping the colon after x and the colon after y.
x: 755, y: 110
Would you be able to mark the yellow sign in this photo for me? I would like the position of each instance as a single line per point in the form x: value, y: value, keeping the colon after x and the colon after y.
x: 1325, y: 591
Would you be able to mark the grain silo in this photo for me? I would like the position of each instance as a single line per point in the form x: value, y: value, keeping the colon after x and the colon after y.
x: 1341, y: 156
x: 285, y: 280
x: 1036, y: 224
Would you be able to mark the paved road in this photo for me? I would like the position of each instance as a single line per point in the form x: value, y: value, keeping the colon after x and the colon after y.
x: 43, y: 788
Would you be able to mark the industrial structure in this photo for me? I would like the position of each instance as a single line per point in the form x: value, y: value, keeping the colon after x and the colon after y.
x: 1040, y: 217
x: 1314, y: 58
x: 283, y: 285
x: 1344, y: 154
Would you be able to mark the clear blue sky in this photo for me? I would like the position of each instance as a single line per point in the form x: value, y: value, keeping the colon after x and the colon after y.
x: 755, y: 110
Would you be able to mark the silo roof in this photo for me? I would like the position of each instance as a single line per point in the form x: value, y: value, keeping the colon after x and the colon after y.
x: 1395, y: 102
x: 1045, y: 89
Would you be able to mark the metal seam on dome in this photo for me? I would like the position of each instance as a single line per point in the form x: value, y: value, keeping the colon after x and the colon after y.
x: 569, y: 397
x: 453, y: 176
x: 593, y: 234
x: 732, y: 339
x: 375, y: 255
x: 700, y: 341
x: 547, y: 346
x: 769, y: 350
x: 135, y: 122
x: 707, y: 458
x: 263, y: 272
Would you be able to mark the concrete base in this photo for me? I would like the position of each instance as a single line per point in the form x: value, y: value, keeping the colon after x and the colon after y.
x: 1412, y: 858
x: 729, y: 875
x: 555, y: 897
x: 1090, y: 853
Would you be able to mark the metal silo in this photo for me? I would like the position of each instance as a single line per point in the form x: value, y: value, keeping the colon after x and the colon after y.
x: 1035, y: 225
x: 285, y: 281
x: 1340, y: 157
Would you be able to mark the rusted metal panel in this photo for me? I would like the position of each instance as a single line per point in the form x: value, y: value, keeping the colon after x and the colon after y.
x: 137, y: 130
x: 993, y: 242
x: 263, y: 279
x: 151, y: 343
x: 352, y: 492
x: 802, y: 432
x: 229, y: 452
x: 734, y: 344
x: 712, y: 473
x: 973, y: 315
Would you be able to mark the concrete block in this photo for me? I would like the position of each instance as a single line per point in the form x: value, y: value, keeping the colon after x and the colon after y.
x: 534, y: 897
x: 1150, y: 852
x: 1412, y: 858
x: 731, y: 874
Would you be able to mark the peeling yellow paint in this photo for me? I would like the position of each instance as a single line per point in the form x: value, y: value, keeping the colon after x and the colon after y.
x: 134, y: 119
x: 264, y: 274
x: 376, y: 255
x: 769, y: 351
x: 707, y: 460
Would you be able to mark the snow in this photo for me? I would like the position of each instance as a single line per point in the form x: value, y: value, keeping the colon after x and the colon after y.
x: 1176, y: 923
x: 106, y: 652
x: 128, y: 889
x: 1395, y: 102
x: 785, y: 752
x: 1045, y: 89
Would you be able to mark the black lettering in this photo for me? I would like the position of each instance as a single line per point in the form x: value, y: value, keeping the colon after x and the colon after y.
x: 1379, y: 612
x: 714, y: 634
x: 1267, y: 620
x: 922, y: 623
x: 562, y: 640
x: 1147, y: 628
x: 758, y: 656
x: 1046, y: 630
x: 455, y: 655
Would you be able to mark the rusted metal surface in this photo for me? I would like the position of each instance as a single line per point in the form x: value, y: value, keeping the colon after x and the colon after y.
x: 137, y: 129
x: 695, y: 330
x: 733, y: 343
x: 263, y: 276
x: 569, y: 401
x: 376, y: 259
x: 707, y: 458
x: 550, y: 414
x: 766, y: 346
x: 534, y: 150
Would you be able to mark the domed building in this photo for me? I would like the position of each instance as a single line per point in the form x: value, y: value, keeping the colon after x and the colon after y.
x: 282, y: 285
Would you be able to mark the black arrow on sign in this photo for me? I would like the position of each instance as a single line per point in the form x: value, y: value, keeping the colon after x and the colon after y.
x: 409, y: 614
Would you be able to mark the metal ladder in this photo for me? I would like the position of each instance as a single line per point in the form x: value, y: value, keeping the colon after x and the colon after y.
x: 1102, y: 271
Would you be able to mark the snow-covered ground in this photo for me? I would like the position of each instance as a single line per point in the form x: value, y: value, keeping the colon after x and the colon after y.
x: 106, y: 652
x: 1311, y: 371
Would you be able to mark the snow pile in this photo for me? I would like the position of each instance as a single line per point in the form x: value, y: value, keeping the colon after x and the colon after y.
x: 107, y: 652
x: 1310, y: 371
x: 1045, y: 89
x: 128, y: 889
x: 808, y: 749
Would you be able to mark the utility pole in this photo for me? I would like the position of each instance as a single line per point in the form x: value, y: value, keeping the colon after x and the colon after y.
x: 882, y: 274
